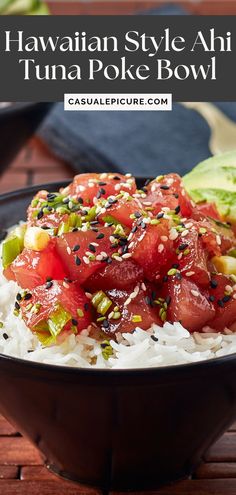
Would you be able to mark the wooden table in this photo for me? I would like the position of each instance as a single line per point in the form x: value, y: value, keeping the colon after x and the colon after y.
x: 21, y: 468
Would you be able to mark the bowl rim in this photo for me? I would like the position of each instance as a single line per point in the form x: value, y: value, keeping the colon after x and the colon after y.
x: 209, y: 363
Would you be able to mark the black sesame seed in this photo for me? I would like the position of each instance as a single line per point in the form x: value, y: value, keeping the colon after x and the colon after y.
x: 102, y: 191
x: 220, y: 303
x: 213, y: 284
x: 148, y: 300
x: 123, y: 241
x: 74, y: 322
x: 76, y: 248
x: 177, y: 209
x: 176, y: 195
x: 77, y: 261
x: 5, y: 336
x: 40, y: 214
x: 51, y: 197
x: 100, y: 236
x: 112, y: 201
x: 147, y: 182
x: 164, y: 187
x: 80, y: 200
x: 17, y: 306
x: 125, y: 249
x: 211, y: 298
x: 168, y: 300
x: 153, y: 337
x: 67, y: 280
x: 134, y: 229
x: 66, y: 201
x: 75, y: 229
x: 154, y: 294
x: 105, y: 323
x: 178, y: 276
x: 109, y: 260
x: 183, y: 246
x: 226, y: 299
x: 165, y: 278
x: 102, y: 183
x: 18, y: 297
x: 144, y: 189
x: 27, y: 296
x: 48, y: 279
x: 160, y: 215
x: 143, y: 225
x: 94, y: 222
x: 98, y: 195
x: 92, y: 248
x: 49, y: 284
x: 175, y: 265
x: 86, y: 306
x: 94, y: 229
x: 45, y: 227
x: 137, y: 214
x: 116, y: 177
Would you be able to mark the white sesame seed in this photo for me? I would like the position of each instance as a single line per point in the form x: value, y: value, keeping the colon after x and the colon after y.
x: 126, y: 256
x: 68, y: 250
x: 86, y: 260
x: 228, y: 288
x: 128, y: 175
x: 117, y: 187
x: 95, y: 244
x: 195, y: 293
x: 188, y: 225
x: 127, y: 301
x: 130, y: 236
x: 103, y: 254
x: 173, y: 234
x: 81, y: 188
x: 88, y: 253
x: 164, y: 238
x: 111, y: 314
x: 103, y: 175
x: 112, y: 239
x: 117, y: 258
x: 88, y: 295
x: 192, y: 203
x: 189, y: 274
x: 165, y: 208
x: 184, y: 233
x: 234, y: 296
x: 143, y: 286
x: 147, y: 203
x: 131, y: 245
x: 99, y: 257
x: 65, y: 285
x: 90, y: 184
x: 153, y: 187
x: 180, y: 256
x: 170, y: 182
x: 218, y: 239
x: 160, y: 248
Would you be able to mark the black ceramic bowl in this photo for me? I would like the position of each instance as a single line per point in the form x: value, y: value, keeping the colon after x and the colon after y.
x: 18, y: 122
x: 116, y: 429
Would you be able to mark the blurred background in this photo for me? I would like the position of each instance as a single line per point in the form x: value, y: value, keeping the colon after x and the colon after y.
x: 41, y: 143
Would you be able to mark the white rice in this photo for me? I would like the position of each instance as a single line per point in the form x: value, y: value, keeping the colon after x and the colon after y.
x: 175, y: 344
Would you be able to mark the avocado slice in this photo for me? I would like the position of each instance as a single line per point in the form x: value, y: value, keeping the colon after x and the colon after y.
x: 214, y: 180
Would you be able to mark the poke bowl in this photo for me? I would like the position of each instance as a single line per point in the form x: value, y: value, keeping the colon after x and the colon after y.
x: 134, y: 411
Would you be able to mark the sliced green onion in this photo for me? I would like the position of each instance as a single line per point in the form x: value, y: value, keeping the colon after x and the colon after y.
x: 11, y: 248
x: 101, y: 302
x: 111, y: 219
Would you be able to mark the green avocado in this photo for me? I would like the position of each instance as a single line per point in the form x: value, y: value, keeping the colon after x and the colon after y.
x: 214, y: 180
